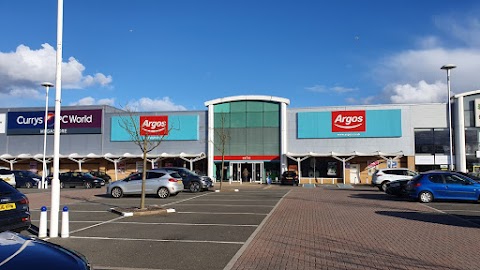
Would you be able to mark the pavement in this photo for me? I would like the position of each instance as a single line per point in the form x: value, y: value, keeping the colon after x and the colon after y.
x: 331, y: 228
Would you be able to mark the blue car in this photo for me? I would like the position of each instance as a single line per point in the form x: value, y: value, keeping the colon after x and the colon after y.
x: 443, y: 185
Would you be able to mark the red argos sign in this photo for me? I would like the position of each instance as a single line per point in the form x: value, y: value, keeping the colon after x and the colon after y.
x: 349, y: 121
x: 154, y: 125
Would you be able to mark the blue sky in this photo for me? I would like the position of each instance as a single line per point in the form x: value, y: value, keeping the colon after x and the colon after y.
x: 175, y: 55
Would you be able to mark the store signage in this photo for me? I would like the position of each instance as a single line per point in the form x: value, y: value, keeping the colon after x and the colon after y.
x: 349, y: 124
x: 154, y: 125
x: 348, y: 121
x: 71, y: 122
x: 477, y: 112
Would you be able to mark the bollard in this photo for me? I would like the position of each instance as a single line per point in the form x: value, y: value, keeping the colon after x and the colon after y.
x: 42, y: 228
x: 65, y: 229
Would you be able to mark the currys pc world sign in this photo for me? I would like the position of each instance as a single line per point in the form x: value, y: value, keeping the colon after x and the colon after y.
x: 71, y: 122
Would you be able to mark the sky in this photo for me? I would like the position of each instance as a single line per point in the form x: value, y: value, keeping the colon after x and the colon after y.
x: 170, y: 55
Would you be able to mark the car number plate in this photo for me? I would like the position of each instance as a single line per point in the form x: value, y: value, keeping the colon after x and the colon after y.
x: 7, y: 206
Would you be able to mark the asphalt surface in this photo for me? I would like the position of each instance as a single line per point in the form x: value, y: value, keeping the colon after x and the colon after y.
x: 272, y: 227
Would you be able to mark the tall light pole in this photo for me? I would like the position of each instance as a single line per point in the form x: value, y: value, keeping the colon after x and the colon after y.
x: 448, y: 67
x: 47, y: 85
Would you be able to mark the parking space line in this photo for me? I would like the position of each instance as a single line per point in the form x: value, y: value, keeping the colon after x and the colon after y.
x: 164, y: 223
x: 468, y: 211
x: 95, y: 225
x: 227, y: 205
x: 157, y: 240
x: 184, y: 200
x: 222, y: 213
x: 452, y: 215
x: 79, y: 211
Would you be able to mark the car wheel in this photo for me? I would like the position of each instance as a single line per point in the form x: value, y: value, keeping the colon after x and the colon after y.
x: 425, y: 196
x: 88, y: 185
x: 28, y: 185
x: 195, y: 187
x: 116, y: 192
x: 384, y: 186
x: 163, y: 193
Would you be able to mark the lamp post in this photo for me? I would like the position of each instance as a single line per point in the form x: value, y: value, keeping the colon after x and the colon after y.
x: 448, y: 67
x: 47, y: 85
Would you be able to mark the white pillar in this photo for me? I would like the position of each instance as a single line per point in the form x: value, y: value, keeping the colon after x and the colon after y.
x: 459, y: 130
x: 210, y: 139
x: 283, y: 137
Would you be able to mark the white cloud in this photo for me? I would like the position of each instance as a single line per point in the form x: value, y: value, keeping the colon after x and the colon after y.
x: 147, y: 104
x: 24, y: 69
x: 361, y: 101
x: 419, y: 93
x: 91, y: 101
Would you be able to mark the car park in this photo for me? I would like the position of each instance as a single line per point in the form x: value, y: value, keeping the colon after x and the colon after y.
x: 381, y: 177
x: 80, y: 179
x: 23, y: 252
x: 14, y: 209
x: 397, y: 187
x: 443, y: 185
x: 26, y: 179
x: 191, y: 180
x: 7, y: 176
x: 289, y: 178
x: 163, y: 183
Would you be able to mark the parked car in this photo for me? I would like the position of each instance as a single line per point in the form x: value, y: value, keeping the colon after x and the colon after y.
x: 14, y: 209
x: 102, y: 175
x: 160, y: 182
x: 397, y: 187
x: 289, y: 178
x: 382, y: 176
x: 23, y: 252
x: 26, y: 179
x: 191, y: 180
x: 80, y: 179
x: 443, y: 185
x: 7, y: 176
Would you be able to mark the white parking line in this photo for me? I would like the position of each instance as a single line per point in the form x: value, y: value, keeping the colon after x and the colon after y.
x: 166, y: 223
x: 222, y: 213
x: 184, y: 200
x: 228, y: 205
x: 95, y: 225
x: 158, y: 240
x: 467, y: 211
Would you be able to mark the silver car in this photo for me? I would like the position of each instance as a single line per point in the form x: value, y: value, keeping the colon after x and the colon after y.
x: 161, y: 182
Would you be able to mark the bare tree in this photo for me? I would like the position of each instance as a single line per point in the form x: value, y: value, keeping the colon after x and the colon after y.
x: 222, y: 136
x: 146, y: 142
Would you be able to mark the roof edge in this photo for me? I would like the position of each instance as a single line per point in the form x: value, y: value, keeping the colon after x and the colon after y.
x: 247, y: 97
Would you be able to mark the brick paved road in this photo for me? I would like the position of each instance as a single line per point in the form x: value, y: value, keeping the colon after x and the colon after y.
x: 359, y: 229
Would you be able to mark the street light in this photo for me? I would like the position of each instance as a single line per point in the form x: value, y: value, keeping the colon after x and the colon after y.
x: 47, y: 85
x: 448, y: 67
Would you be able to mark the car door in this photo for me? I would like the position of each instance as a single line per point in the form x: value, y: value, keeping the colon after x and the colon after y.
x: 153, y: 182
x: 133, y: 184
x: 65, y: 178
x: 460, y: 188
x: 436, y: 184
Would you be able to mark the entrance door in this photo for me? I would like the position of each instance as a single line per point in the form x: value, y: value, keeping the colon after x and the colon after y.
x: 354, y: 174
x: 246, y: 171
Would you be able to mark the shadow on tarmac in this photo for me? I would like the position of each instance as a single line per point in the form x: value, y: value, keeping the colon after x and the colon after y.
x: 438, y: 218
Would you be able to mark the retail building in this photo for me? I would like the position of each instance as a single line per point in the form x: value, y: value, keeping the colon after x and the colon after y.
x: 253, y: 137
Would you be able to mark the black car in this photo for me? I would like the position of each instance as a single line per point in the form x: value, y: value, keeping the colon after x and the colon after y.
x: 191, y: 180
x: 80, y: 179
x: 102, y: 175
x: 22, y: 252
x: 397, y: 187
x: 26, y: 179
x: 289, y: 178
x: 14, y: 209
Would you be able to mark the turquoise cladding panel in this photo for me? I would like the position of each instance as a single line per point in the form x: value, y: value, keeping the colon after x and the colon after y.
x: 182, y: 128
x: 380, y: 124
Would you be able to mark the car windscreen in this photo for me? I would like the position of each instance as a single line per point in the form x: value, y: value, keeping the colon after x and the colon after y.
x: 175, y: 175
x: 6, y: 188
x: 5, y: 172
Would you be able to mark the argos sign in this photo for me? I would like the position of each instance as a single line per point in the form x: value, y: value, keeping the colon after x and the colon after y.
x: 154, y: 125
x: 350, y: 124
x: 349, y: 121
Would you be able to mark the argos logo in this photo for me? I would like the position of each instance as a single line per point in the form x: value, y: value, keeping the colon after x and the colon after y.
x: 154, y: 125
x: 349, y: 121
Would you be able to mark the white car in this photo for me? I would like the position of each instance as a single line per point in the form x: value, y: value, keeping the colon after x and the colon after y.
x: 7, y: 176
x: 382, y: 177
x: 160, y: 182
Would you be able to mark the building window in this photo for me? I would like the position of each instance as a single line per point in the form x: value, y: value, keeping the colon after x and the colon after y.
x: 432, y: 141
